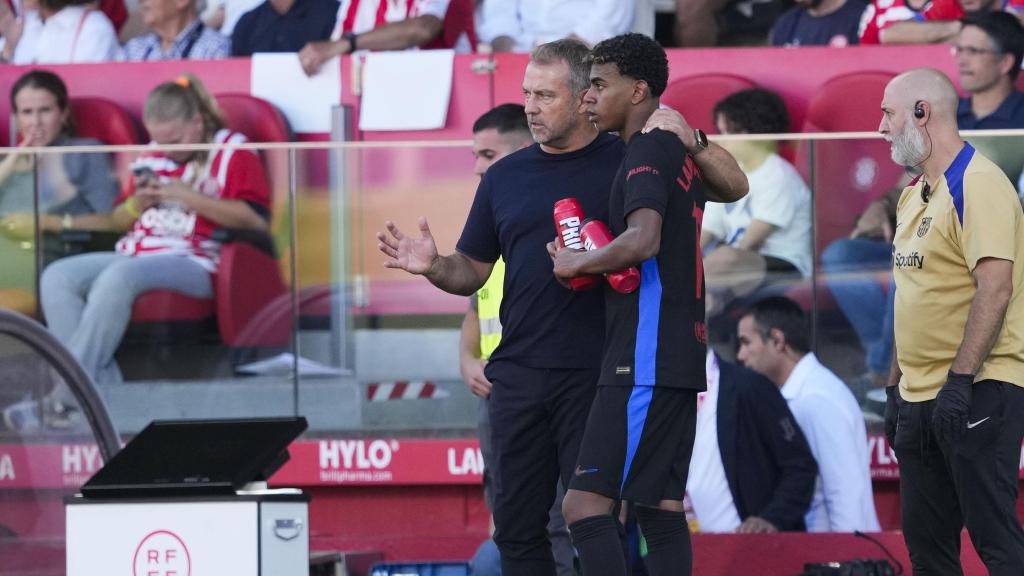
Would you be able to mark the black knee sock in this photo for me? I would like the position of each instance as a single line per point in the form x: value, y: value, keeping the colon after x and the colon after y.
x: 597, y: 540
x: 668, y: 541
x: 623, y: 537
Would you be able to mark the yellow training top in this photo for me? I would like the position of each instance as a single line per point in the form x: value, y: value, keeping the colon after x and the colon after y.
x: 972, y: 213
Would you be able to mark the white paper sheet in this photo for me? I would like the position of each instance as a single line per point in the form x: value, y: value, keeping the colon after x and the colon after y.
x: 407, y: 90
x: 306, y: 101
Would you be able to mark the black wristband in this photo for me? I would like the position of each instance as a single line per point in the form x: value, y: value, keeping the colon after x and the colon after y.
x: 957, y: 378
x: 351, y: 37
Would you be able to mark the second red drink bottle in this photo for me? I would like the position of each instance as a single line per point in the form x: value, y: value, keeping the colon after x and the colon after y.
x: 568, y: 220
x: 595, y: 234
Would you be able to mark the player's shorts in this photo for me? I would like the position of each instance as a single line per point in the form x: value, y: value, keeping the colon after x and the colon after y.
x: 643, y: 434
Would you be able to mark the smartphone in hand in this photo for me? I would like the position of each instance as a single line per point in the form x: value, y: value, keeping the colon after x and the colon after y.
x: 144, y: 175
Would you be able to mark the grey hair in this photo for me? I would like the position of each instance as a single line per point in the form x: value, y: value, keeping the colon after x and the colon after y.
x: 574, y: 53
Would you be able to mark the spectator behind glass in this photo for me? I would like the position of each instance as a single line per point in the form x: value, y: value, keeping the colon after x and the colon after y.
x: 768, y: 231
x: 170, y: 211
x: 758, y: 475
x: 284, y: 26
x: 989, y: 51
x: 363, y: 25
x: 57, y: 32
x: 522, y: 25
x: 818, y: 23
x: 774, y: 341
x: 177, y: 33
x: 939, y: 23
x: 223, y: 15
x: 71, y: 187
x: 881, y: 14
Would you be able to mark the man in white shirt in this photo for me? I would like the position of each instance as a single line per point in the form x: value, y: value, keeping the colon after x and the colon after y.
x: 774, y: 341
x: 751, y: 471
x: 521, y: 25
x: 768, y: 232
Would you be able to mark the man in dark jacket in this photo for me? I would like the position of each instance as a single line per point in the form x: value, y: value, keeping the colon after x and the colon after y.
x: 752, y: 470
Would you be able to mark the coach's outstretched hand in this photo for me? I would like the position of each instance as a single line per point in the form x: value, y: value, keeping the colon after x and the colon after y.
x: 414, y: 255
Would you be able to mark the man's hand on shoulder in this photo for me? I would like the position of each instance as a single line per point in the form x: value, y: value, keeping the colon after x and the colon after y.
x: 671, y: 121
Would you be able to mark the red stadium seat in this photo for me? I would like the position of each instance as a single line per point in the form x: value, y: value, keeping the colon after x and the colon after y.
x: 258, y: 119
x: 846, y: 174
x: 848, y: 103
x: 695, y: 96
x: 248, y: 280
x: 104, y: 120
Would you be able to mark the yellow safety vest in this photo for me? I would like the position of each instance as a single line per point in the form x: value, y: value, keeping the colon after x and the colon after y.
x: 488, y: 303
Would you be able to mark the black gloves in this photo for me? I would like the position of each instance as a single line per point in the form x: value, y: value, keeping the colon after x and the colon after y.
x: 952, y: 407
x: 892, y: 412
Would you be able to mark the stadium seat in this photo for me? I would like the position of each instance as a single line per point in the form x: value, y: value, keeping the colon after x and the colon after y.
x: 258, y: 119
x: 846, y: 175
x: 695, y: 96
x: 848, y: 103
x: 247, y: 281
x: 104, y: 120
x: 108, y: 122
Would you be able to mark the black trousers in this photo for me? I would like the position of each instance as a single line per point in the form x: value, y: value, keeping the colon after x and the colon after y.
x: 537, y: 421
x: 972, y: 482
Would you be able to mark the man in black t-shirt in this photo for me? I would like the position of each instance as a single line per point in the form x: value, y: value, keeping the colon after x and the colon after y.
x: 544, y: 371
x: 640, y: 431
x: 833, y: 23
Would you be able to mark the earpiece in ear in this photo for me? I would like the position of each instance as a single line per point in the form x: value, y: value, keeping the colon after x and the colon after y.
x: 918, y: 110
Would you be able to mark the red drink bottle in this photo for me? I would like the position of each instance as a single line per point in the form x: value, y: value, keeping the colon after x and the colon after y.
x: 596, y: 235
x: 568, y: 219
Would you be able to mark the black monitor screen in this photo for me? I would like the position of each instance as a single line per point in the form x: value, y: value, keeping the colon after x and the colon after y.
x: 192, y: 457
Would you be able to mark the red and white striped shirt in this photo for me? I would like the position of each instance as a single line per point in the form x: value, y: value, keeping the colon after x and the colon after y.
x: 171, y: 228
x: 359, y: 16
x: 364, y: 15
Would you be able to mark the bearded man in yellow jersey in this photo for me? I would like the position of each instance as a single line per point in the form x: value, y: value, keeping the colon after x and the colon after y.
x: 955, y: 413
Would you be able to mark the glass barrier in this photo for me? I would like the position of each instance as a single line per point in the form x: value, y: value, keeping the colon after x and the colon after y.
x: 297, y: 315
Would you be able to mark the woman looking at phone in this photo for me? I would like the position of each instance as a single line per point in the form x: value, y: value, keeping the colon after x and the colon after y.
x: 174, y: 202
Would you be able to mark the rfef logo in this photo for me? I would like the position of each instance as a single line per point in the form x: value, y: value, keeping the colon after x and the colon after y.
x: 162, y: 553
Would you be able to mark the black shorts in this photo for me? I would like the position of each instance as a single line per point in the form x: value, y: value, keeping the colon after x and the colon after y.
x: 645, y: 431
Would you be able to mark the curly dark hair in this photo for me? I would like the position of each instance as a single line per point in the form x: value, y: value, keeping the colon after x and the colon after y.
x: 753, y: 111
x: 636, y: 56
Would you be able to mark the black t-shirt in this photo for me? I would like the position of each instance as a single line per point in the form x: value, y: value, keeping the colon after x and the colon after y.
x: 796, y: 27
x: 263, y: 29
x: 543, y: 325
x: 656, y: 335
